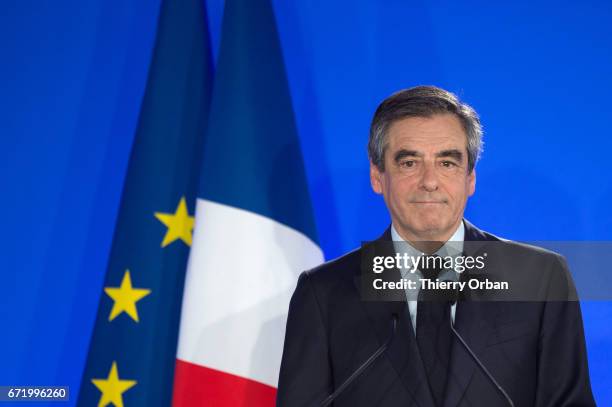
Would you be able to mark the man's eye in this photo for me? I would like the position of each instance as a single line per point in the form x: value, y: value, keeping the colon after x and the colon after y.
x: 448, y: 164
x: 408, y: 163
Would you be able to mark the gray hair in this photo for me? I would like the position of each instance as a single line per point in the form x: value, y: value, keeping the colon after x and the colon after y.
x: 422, y: 101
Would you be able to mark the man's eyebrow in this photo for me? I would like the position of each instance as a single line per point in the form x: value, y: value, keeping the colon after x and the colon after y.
x: 401, y: 154
x: 452, y: 153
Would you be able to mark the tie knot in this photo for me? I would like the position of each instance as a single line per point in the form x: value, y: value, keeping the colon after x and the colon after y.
x: 431, y: 266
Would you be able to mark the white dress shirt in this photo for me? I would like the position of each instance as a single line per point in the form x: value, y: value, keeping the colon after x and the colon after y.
x: 453, y: 247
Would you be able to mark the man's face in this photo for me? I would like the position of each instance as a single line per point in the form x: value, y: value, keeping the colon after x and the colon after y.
x: 426, y: 182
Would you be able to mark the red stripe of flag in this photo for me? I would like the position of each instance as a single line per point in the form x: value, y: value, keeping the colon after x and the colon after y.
x: 196, y: 385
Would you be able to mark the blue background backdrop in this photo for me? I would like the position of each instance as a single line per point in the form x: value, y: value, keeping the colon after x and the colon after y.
x: 72, y: 76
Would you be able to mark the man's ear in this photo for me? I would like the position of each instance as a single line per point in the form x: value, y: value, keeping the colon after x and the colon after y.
x: 472, y: 182
x: 375, y: 178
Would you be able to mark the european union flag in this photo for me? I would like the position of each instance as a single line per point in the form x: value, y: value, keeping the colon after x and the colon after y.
x: 133, y: 348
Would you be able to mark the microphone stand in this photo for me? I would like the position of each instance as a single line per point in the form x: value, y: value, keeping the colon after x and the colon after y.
x: 363, y: 367
x: 478, y: 362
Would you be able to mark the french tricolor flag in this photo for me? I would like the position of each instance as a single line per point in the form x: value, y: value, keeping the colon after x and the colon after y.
x: 254, y: 230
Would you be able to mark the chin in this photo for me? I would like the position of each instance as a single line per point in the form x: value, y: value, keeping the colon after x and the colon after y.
x: 427, y: 230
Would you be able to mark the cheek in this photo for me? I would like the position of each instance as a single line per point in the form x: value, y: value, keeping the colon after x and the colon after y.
x: 401, y: 190
x: 461, y: 185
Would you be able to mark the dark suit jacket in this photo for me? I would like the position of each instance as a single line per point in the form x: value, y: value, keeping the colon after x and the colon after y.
x: 535, y: 349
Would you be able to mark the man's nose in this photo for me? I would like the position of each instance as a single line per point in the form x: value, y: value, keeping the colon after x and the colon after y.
x: 429, y: 178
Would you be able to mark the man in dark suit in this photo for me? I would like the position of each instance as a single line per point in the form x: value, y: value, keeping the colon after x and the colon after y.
x: 423, y: 147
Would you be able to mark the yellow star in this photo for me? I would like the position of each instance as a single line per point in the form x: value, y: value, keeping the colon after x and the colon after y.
x: 112, y: 388
x: 179, y: 224
x: 125, y: 297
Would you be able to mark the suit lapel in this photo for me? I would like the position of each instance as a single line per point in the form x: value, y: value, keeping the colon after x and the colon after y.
x: 403, y: 353
x: 471, y: 321
x: 471, y: 324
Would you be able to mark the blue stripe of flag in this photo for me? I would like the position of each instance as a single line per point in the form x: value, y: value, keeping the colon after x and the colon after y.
x: 252, y: 157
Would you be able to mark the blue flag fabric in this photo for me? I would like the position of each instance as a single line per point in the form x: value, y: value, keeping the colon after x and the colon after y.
x: 132, y: 353
x: 253, y: 158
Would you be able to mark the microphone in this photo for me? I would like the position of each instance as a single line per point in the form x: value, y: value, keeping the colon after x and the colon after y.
x: 364, y: 366
x: 475, y: 358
